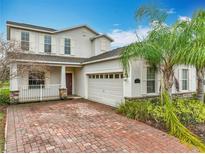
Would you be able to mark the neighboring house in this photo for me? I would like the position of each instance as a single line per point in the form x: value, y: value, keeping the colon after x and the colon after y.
x: 79, y: 61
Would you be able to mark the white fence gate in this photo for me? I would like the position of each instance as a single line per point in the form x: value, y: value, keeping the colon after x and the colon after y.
x: 29, y: 93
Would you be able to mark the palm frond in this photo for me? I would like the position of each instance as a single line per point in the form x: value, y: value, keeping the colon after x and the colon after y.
x: 177, y: 129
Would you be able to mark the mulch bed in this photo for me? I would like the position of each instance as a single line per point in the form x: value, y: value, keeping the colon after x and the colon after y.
x: 199, y: 130
x: 2, y: 126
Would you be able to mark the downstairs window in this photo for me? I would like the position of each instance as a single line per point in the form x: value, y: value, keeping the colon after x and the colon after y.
x: 185, y: 81
x: 36, y: 79
x: 150, y: 80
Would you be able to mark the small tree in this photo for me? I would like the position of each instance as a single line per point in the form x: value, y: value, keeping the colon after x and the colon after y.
x: 11, y: 52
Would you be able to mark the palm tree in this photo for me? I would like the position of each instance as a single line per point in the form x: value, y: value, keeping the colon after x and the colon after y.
x: 194, y: 52
x: 160, y: 49
x: 164, y: 48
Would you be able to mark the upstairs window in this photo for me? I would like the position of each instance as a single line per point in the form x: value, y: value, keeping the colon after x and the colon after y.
x: 47, y: 43
x: 150, y: 80
x: 67, y: 46
x: 185, y: 81
x: 25, y: 41
x: 36, y: 79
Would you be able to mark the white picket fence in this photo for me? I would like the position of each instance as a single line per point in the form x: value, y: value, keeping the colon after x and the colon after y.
x: 29, y: 93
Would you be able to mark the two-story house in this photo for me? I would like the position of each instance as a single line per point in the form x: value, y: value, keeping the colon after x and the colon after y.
x: 79, y: 61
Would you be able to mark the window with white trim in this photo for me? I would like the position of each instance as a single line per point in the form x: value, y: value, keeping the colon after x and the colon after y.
x: 185, y: 79
x: 47, y: 43
x: 25, y: 41
x: 67, y: 47
x: 36, y: 79
x: 150, y: 80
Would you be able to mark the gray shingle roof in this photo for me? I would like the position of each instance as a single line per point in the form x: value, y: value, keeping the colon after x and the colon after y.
x: 50, y: 30
x: 31, y: 26
x: 101, y: 35
x: 50, y: 58
x: 64, y: 59
x: 108, y: 54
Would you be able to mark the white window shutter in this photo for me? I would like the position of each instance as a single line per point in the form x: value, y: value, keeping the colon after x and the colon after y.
x: 41, y: 43
x: 32, y: 42
x: 192, y: 78
x: 180, y: 79
x: 158, y: 84
x: 62, y: 46
x: 72, y: 45
x: 53, y: 44
x: 17, y: 35
x: 144, y: 80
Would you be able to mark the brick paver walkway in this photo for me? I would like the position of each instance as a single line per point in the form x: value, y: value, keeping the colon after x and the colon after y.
x: 81, y: 126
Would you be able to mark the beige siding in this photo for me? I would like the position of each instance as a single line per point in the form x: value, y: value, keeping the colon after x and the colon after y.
x: 100, y: 45
x: 81, y: 44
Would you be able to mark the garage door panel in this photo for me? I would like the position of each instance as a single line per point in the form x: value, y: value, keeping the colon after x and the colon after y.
x: 105, y: 94
x: 107, y: 101
x: 106, y: 91
x: 106, y: 84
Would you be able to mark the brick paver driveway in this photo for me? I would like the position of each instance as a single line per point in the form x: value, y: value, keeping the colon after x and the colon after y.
x: 81, y: 126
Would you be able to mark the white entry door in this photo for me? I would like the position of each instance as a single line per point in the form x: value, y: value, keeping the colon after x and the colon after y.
x: 106, y: 88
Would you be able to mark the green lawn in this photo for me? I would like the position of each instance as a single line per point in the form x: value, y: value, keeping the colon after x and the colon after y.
x: 2, y: 125
x: 4, y: 100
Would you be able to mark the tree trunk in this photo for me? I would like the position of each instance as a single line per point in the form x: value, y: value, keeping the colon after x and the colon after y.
x: 200, y: 84
x: 168, y: 79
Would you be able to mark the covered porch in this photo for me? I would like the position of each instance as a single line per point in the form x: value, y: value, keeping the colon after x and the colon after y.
x: 42, y: 82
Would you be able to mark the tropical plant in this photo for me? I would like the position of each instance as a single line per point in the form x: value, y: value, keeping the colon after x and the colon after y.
x: 177, y: 128
x: 160, y: 49
x: 189, y: 111
x: 163, y: 49
x: 194, y: 52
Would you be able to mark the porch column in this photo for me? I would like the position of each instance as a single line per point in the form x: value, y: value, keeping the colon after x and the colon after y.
x: 63, y: 89
x: 14, y: 87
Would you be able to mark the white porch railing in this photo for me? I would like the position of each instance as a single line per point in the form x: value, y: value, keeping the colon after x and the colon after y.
x: 29, y: 93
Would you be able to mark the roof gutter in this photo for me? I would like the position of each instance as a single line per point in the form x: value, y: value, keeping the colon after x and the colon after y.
x: 33, y: 29
x: 100, y: 60
x: 49, y: 62
x: 52, y: 32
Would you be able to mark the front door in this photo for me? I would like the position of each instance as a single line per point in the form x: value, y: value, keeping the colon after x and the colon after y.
x: 69, y: 83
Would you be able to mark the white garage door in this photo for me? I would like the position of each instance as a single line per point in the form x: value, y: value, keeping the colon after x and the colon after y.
x: 106, y: 88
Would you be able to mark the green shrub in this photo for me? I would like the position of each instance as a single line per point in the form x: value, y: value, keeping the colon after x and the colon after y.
x: 176, y: 128
x: 189, y: 111
x: 4, y: 96
x: 142, y: 110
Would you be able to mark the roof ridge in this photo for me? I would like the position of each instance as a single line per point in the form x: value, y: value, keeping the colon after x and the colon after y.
x: 52, y: 30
